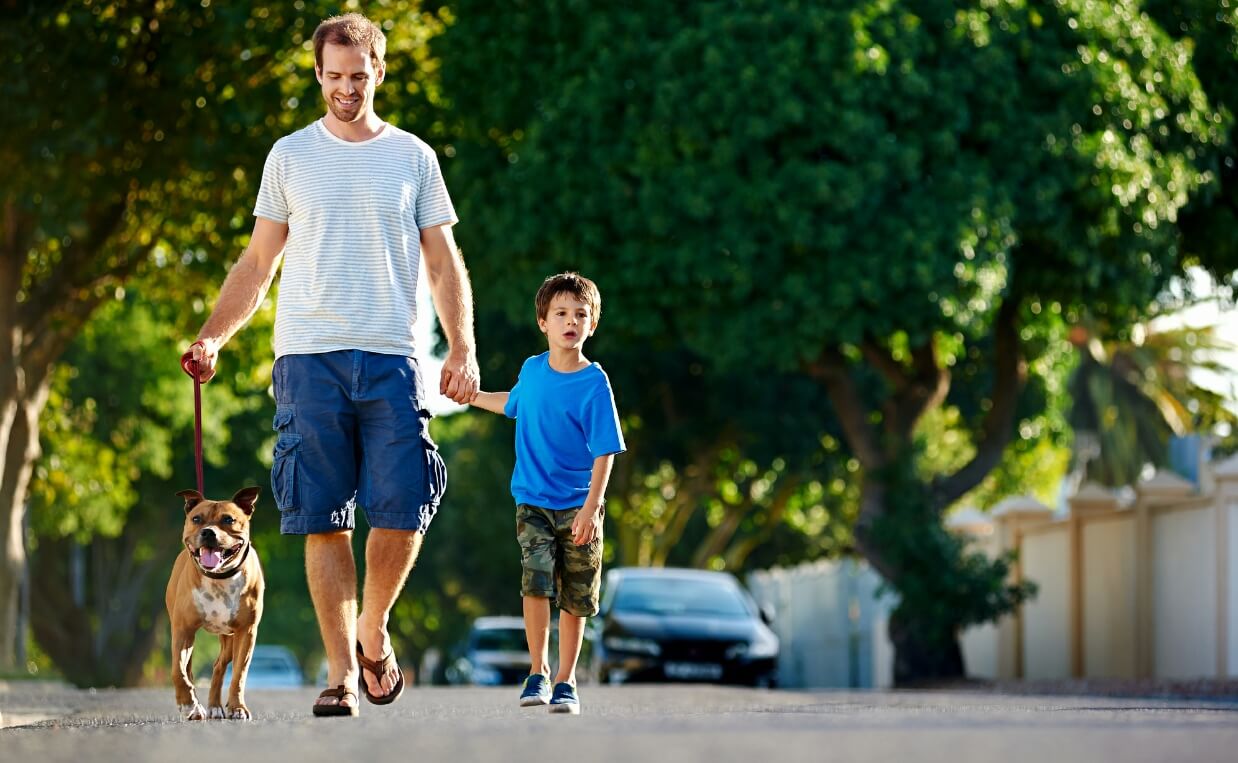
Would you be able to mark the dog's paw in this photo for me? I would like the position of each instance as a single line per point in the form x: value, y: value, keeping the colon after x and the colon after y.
x: 240, y: 713
x: 217, y: 713
x: 193, y: 712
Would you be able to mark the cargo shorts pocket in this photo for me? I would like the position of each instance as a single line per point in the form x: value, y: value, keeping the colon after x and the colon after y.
x: 436, y: 469
x: 284, y: 460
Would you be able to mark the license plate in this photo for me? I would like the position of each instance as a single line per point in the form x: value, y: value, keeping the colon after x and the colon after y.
x: 697, y: 671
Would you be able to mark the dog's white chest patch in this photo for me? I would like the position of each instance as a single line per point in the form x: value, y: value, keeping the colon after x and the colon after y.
x: 218, y: 601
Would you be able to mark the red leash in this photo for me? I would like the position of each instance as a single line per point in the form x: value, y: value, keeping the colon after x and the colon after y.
x: 190, y: 366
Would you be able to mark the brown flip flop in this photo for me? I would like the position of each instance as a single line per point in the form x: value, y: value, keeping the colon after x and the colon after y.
x: 378, y: 669
x: 339, y: 693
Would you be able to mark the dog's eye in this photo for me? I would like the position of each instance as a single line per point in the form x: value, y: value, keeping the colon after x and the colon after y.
x: 227, y: 520
x: 197, y: 520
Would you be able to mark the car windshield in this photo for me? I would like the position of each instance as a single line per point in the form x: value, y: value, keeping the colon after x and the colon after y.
x: 260, y: 664
x: 671, y: 596
x: 499, y: 640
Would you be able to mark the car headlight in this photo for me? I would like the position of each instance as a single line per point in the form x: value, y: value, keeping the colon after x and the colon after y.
x: 764, y: 646
x: 633, y: 645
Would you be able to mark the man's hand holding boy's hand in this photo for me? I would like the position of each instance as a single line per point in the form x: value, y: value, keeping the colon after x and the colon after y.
x: 460, y: 377
x: 587, y: 526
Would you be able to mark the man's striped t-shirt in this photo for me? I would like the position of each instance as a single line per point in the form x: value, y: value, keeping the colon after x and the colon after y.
x: 354, y: 212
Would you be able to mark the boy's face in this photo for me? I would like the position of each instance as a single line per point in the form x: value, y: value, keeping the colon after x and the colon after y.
x: 348, y: 79
x: 568, y: 322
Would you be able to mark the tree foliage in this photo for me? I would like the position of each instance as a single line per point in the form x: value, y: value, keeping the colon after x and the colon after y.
x: 1129, y: 397
x: 898, y: 201
x: 117, y: 442
x: 1208, y: 227
x: 839, y: 245
x: 134, y: 145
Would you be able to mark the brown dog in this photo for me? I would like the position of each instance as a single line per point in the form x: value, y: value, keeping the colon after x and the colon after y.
x: 216, y: 584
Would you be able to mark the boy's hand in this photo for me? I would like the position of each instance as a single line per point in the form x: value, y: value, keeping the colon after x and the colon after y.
x: 587, y: 526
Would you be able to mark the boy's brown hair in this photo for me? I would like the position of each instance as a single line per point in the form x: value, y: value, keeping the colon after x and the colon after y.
x: 568, y: 283
x: 351, y: 29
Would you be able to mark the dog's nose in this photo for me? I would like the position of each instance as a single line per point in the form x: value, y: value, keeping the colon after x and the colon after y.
x: 207, y: 535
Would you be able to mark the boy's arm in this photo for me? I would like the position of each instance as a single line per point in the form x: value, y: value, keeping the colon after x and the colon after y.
x: 494, y: 402
x: 587, y: 526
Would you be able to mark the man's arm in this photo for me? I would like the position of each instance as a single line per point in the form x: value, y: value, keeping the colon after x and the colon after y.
x: 495, y: 402
x: 587, y: 526
x: 453, y: 301
x: 242, y: 293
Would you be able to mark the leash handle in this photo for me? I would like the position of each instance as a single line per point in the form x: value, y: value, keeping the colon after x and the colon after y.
x: 190, y: 366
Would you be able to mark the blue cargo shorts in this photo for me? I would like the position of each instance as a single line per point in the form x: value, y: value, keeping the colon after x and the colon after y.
x: 353, y: 431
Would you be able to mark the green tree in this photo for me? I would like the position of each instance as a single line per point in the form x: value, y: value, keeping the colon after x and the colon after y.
x: 116, y: 446
x: 1209, y: 223
x: 1130, y: 396
x: 882, y: 198
x: 133, y: 147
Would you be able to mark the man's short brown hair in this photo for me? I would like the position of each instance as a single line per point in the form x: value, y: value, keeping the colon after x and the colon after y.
x: 568, y: 283
x: 351, y: 29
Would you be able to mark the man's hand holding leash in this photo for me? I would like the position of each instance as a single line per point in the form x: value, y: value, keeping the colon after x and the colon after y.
x: 205, y: 354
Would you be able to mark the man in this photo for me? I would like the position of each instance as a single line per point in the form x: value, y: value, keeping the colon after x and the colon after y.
x: 350, y: 204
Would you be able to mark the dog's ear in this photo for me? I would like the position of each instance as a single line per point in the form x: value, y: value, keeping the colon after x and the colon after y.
x: 246, y: 497
x: 192, y: 498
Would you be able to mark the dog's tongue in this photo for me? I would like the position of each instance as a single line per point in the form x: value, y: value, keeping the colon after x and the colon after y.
x: 210, y: 558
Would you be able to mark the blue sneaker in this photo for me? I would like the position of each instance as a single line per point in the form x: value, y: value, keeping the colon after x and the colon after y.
x: 536, y: 690
x: 564, y: 699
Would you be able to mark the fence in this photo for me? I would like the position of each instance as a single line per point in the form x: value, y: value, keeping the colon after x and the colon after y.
x: 830, y: 621
x: 1143, y: 588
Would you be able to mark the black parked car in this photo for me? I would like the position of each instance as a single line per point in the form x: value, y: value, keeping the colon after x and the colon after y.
x: 661, y: 624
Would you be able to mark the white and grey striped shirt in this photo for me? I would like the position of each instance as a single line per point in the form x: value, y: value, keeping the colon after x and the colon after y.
x: 355, y: 213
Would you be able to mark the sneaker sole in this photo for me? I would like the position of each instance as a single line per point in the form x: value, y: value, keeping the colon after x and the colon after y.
x: 566, y: 707
x: 533, y: 702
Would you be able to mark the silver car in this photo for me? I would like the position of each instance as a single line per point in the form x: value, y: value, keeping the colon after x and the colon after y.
x: 495, y: 652
x: 272, y: 667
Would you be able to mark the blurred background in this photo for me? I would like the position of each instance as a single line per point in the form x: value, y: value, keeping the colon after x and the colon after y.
x: 918, y: 316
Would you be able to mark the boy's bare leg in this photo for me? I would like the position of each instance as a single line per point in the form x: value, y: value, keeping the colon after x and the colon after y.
x: 537, y: 631
x: 571, y: 634
x: 332, y: 576
x: 389, y: 555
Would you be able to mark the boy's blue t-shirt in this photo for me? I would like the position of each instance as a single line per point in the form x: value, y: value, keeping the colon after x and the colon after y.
x: 563, y: 422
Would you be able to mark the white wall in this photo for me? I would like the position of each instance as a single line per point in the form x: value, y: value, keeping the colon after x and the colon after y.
x: 830, y: 622
x: 979, y: 645
x: 1046, y: 618
x: 1231, y: 663
x: 1109, y: 625
x: 1184, y: 593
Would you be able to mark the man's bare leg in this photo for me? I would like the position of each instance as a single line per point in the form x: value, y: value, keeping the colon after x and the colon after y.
x: 571, y: 634
x: 332, y: 575
x: 537, y: 631
x: 389, y: 555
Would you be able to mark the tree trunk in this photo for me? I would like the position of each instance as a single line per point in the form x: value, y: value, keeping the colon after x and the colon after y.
x: 19, y: 444
x: 105, y: 639
x: 922, y: 656
x: 923, y: 652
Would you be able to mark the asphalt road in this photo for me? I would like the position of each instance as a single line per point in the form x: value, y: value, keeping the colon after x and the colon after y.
x: 623, y: 723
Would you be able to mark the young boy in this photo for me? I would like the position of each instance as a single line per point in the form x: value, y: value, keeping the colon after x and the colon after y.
x: 567, y: 435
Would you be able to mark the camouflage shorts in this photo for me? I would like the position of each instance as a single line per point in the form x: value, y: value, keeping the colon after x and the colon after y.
x: 554, y: 567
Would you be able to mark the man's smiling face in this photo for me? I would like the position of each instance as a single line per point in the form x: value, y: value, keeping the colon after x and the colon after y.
x: 348, y: 79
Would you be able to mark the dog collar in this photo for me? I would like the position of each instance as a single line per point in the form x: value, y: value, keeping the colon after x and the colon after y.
x: 231, y: 572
